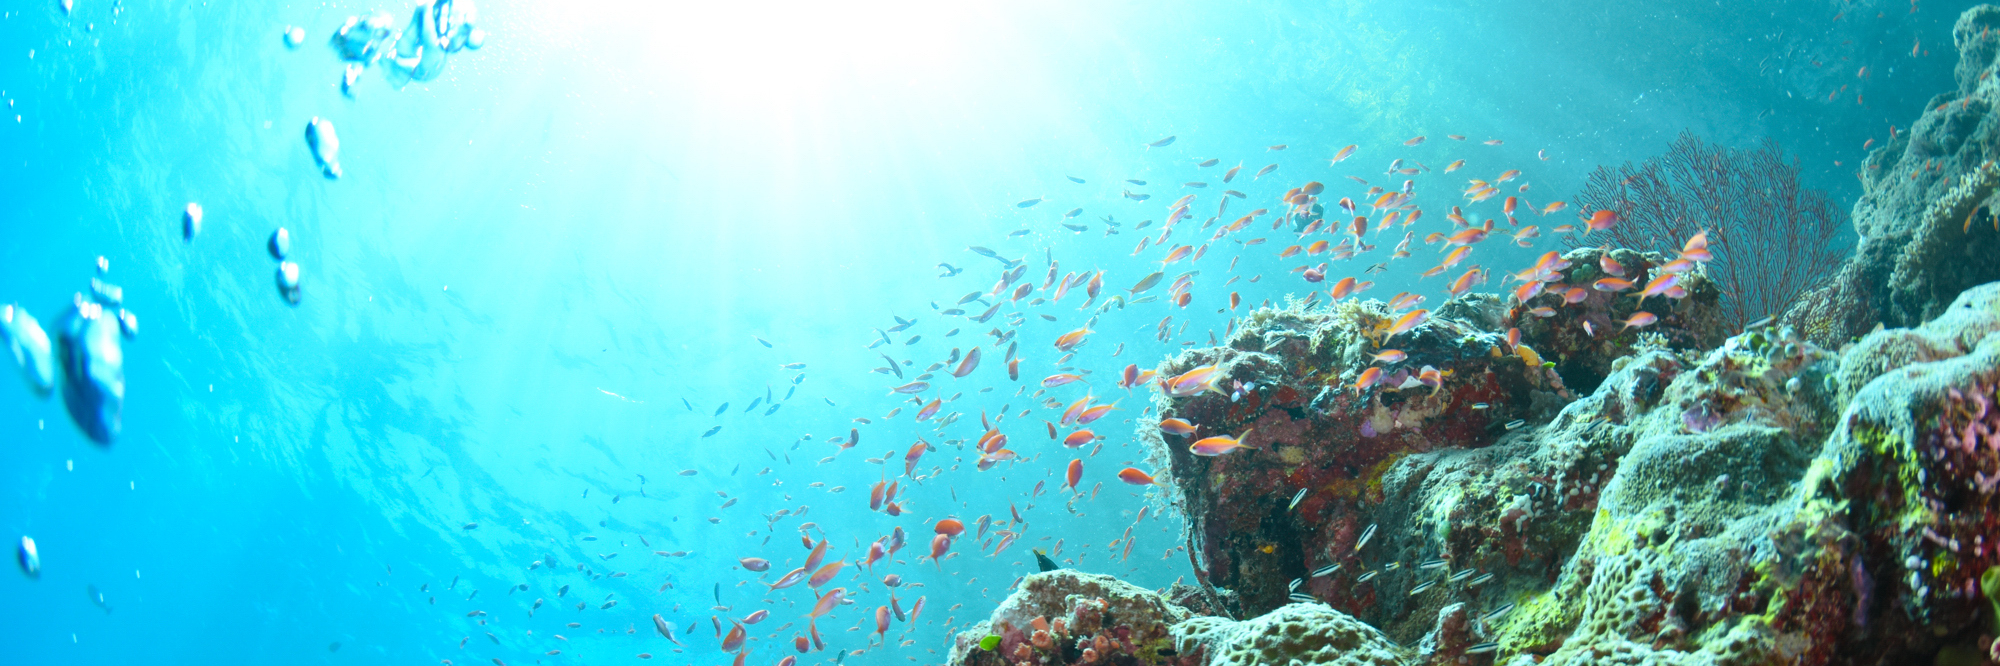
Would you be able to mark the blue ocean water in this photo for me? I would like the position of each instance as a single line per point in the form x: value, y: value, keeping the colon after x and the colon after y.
x: 542, y: 273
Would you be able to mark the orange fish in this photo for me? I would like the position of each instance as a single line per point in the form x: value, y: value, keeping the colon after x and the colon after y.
x: 1070, y: 340
x: 966, y: 365
x: 1409, y: 321
x: 1601, y: 220
x: 1074, y: 474
x: 1177, y: 426
x: 1456, y: 256
x: 1368, y: 378
x: 1391, y: 356
x: 1053, y: 381
x: 1414, y: 141
x: 1215, y: 446
x: 825, y: 573
x: 1611, y: 284
x: 1510, y: 174
x: 1289, y: 251
x: 950, y: 527
x: 1079, y: 438
x: 1342, y: 154
x: 1472, y: 278
x: 1135, y: 477
x: 939, y: 544
x: 1454, y: 166
x: 1466, y: 237
x: 1639, y: 319
x: 1075, y: 410
x: 1659, y: 285
x: 1342, y: 289
x: 1094, y: 413
x: 1696, y: 248
x: 1554, y: 207
x: 1317, y: 247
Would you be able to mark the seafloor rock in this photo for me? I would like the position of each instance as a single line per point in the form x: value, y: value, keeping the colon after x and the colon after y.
x: 1292, y: 634
x: 1926, y: 217
x: 1764, y: 502
x: 1069, y: 617
x: 1364, y: 457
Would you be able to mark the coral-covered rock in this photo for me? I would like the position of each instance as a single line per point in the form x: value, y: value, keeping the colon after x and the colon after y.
x: 1293, y: 634
x: 1069, y: 617
x: 1765, y: 502
x: 1314, y: 432
x: 1580, y: 331
x: 1925, y: 218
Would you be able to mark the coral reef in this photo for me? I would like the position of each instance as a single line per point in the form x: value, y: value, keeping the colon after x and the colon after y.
x: 1925, y: 217
x: 1069, y: 617
x: 1293, y: 634
x: 1806, y: 492
x: 1346, y: 449
x: 1066, y: 617
x: 1583, y: 354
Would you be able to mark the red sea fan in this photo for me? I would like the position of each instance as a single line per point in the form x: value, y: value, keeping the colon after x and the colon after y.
x: 1772, y: 237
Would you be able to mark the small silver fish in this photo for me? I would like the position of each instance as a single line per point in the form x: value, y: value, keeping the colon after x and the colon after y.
x: 1296, y: 582
x: 1483, y: 648
x: 1366, y: 534
x: 1483, y: 578
x: 1296, y: 498
x: 1303, y: 599
x: 1425, y: 587
x: 1497, y: 613
x: 1398, y: 564
x: 1433, y: 563
x: 1516, y: 423
x: 1367, y: 576
x: 1325, y: 570
x: 1481, y: 405
x: 1462, y: 575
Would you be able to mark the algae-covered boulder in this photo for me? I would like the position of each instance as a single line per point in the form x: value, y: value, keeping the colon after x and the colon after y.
x: 1926, y: 215
x: 1070, y: 617
x: 1294, y: 634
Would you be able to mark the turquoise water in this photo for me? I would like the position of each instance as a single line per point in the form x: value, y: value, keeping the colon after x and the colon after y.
x: 542, y: 272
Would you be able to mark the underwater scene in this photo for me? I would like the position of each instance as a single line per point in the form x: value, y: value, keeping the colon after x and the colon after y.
x: 1022, y: 333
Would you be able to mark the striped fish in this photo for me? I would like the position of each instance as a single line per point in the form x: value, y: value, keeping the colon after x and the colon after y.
x: 1325, y: 570
x: 1365, y: 536
x: 1304, y: 599
x: 1480, y: 580
x: 1367, y: 576
x: 1483, y: 648
x: 1434, y: 563
x: 1296, y: 582
x: 1462, y: 575
x: 1425, y: 587
x: 1497, y: 613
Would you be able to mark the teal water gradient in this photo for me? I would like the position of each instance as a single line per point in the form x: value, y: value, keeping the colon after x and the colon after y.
x: 613, y: 199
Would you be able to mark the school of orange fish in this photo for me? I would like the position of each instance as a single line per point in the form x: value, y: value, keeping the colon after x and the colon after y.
x: 1328, y: 230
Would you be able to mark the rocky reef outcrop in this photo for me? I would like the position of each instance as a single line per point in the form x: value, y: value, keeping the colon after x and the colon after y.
x: 1820, y: 490
x: 1065, y: 617
x: 1926, y: 217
